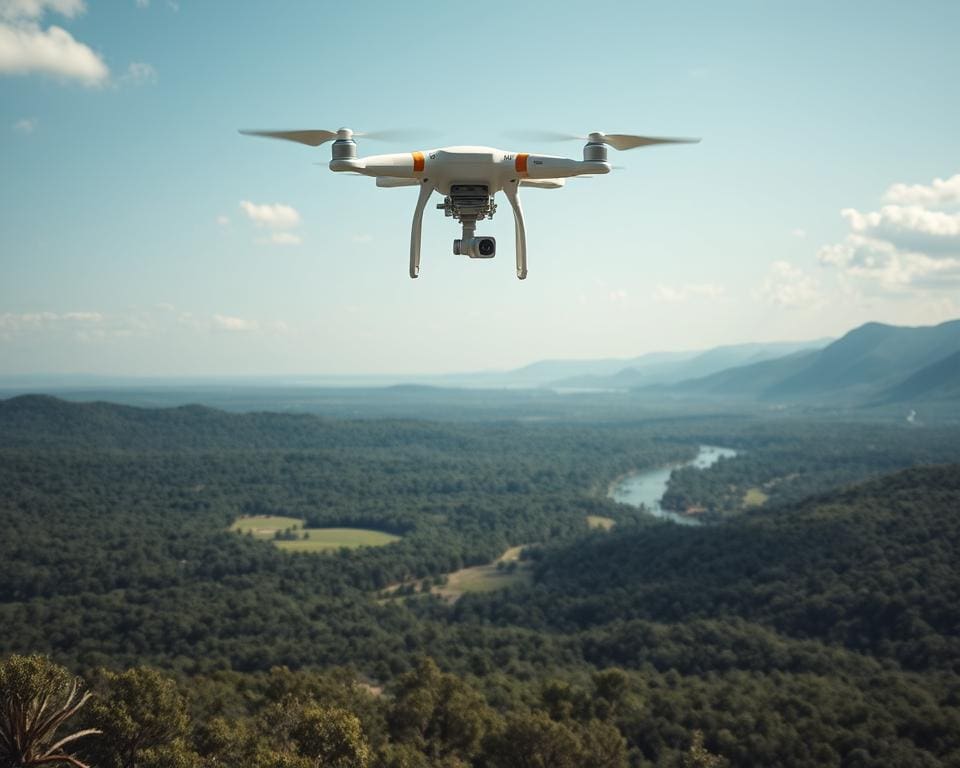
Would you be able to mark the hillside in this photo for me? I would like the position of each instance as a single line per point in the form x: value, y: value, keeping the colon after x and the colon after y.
x: 808, y: 635
x: 870, y: 568
x: 937, y: 381
x: 649, y: 370
x: 870, y: 363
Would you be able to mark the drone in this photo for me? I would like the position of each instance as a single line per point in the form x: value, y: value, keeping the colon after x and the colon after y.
x: 469, y: 178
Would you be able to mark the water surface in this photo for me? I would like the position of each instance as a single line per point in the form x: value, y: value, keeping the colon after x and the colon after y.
x: 647, y: 488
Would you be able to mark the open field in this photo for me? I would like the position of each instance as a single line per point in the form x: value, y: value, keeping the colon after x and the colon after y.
x: 513, y: 553
x: 481, y: 578
x: 596, y: 521
x: 477, y: 578
x: 754, y: 497
x: 333, y: 538
x: 486, y: 578
x: 318, y: 539
x: 265, y: 526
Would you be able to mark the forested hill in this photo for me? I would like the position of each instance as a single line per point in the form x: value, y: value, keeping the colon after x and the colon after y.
x: 815, y: 632
x: 42, y: 421
x: 874, y: 361
x: 871, y: 568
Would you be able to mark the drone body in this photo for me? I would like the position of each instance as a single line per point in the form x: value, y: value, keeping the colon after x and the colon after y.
x: 468, y: 178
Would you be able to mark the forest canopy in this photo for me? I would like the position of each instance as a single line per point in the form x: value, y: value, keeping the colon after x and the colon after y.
x: 819, y: 628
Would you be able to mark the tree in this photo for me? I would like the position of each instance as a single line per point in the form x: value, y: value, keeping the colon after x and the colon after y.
x: 36, y: 698
x: 533, y: 740
x: 439, y: 714
x: 699, y: 756
x: 331, y: 737
x: 144, y: 720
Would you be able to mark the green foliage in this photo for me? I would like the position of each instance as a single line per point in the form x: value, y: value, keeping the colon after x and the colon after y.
x: 143, y: 718
x: 814, y: 631
x: 438, y: 714
x: 700, y: 757
x: 331, y: 737
x: 533, y: 740
x: 37, y: 698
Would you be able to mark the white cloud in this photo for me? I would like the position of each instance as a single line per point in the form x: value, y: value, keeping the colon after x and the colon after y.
x: 53, y: 51
x: 888, y: 266
x: 13, y: 321
x: 223, y: 221
x: 79, y: 324
x: 285, y: 238
x: 939, y: 192
x: 786, y: 285
x: 139, y: 73
x: 26, y: 126
x: 83, y: 317
x: 799, y: 233
x: 617, y: 296
x: 151, y: 322
x: 670, y: 294
x: 26, y: 47
x: 19, y: 10
x: 276, y: 216
x: 362, y: 237
x: 234, y: 324
x: 905, y: 246
x: 143, y: 3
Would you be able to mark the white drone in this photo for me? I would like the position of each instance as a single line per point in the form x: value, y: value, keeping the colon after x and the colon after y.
x: 469, y: 177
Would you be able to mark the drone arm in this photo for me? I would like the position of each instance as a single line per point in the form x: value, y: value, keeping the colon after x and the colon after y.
x: 389, y: 182
x: 549, y: 167
x: 510, y: 190
x: 543, y: 183
x: 426, y: 189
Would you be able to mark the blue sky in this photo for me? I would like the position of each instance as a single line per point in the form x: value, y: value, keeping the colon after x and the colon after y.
x: 825, y: 192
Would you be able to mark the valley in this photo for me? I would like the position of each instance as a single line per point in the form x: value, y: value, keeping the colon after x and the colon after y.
x: 797, y: 613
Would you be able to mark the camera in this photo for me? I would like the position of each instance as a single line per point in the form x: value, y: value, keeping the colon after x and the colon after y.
x: 476, y: 247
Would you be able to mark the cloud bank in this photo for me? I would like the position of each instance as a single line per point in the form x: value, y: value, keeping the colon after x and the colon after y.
x: 275, y: 216
x: 788, y: 286
x: 910, y: 244
x: 26, y: 47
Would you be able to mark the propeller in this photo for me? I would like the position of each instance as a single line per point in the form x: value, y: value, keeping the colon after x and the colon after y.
x: 620, y: 141
x: 314, y: 138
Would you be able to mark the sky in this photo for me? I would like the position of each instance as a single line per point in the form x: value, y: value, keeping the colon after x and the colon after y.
x: 142, y: 235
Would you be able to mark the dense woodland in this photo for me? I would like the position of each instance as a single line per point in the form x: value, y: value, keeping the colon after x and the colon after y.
x: 818, y: 629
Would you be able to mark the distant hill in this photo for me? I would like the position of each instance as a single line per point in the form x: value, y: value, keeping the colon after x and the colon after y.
x: 42, y: 422
x: 549, y: 372
x: 938, y: 381
x: 872, y: 363
x: 652, y: 369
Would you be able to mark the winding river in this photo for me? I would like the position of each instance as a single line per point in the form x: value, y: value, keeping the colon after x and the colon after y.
x: 647, y: 488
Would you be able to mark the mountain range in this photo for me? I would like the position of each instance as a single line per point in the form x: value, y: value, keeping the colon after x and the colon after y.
x: 872, y: 364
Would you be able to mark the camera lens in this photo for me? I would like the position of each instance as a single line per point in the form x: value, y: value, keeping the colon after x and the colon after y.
x: 486, y: 247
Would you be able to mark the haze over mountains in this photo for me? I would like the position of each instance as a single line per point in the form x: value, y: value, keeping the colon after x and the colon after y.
x: 874, y: 363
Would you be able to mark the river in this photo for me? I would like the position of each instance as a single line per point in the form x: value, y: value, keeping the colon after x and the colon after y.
x: 647, y: 487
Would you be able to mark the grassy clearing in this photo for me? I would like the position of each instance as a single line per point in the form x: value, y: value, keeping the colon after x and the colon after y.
x: 481, y: 578
x: 321, y: 539
x: 754, y: 497
x: 318, y: 539
x: 478, y: 578
x: 596, y: 521
x: 510, y: 555
x: 265, y: 526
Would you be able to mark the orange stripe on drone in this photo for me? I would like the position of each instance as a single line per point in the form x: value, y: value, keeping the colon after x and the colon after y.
x: 417, y: 162
x: 521, y: 162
